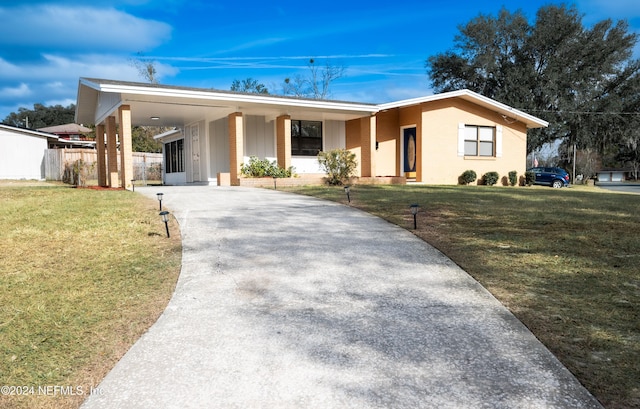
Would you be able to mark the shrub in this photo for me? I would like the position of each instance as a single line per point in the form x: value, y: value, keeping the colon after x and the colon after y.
x: 468, y: 176
x: 78, y: 172
x: 529, y: 178
x: 257, y: 168
x: 513, y: 178
x: 490, y: 178
x: 338, y: 164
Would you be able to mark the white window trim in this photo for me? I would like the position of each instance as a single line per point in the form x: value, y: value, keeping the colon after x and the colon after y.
x: 461, y: 134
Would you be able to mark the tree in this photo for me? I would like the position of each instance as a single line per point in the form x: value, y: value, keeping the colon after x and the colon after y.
x: 581, y: 80
x: 249, y: 85
x: 142, y: 138
x: 41, y: 116
x: 146, y: 68
x: 317, y: 84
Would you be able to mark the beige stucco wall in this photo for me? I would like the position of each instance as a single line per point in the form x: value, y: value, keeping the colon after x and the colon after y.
x: 353, y: 142
x: 388, y: 136
x: 440, y: 161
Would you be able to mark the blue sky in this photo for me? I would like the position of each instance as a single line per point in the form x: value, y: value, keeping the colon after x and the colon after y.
x: 46, y: 46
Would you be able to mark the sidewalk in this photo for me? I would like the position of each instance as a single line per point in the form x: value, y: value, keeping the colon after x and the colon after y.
x: 286, y: 301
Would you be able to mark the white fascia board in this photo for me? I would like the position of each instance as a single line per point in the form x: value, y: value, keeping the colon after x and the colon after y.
x: 475, y: 97
x: 234, y: 98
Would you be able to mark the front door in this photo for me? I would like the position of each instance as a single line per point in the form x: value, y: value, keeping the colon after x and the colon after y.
x: 195, y: 152
x: 409, y: 145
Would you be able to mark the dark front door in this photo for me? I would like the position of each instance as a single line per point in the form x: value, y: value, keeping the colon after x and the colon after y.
x: 409, y: 141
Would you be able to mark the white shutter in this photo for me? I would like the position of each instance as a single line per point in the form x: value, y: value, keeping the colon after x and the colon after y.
x: 499, y: 141
x: 461, y: 128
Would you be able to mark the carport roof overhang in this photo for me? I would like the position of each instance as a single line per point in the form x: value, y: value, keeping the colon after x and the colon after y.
x: 163, y: 105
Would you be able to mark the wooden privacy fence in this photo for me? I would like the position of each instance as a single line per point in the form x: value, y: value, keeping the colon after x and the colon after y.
x: 62, y: 164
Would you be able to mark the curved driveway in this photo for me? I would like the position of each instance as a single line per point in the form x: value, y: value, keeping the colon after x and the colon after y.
x: 286, y: 301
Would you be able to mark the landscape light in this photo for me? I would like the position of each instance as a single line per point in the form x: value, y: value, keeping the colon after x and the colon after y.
x: 414, y: 211
x: 347, y: 190
x: 160, y: 199
x: 165, y: 219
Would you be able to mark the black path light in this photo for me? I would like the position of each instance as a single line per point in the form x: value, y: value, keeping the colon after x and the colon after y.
x: 160, y: 199
x: 274, y: 183
x: 414, y: 211
x: 165, y: 219
x: 347, y: 190
x: 133, y: 185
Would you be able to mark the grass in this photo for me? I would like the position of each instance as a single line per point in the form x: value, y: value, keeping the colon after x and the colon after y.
x: 83, y: 274
x: 564, y: 261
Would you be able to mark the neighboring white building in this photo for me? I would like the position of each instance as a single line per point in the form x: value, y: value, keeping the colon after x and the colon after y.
x: 22, y: 152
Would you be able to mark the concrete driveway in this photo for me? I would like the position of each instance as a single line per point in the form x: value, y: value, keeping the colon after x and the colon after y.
x: 287, y: 301
x: 624, y: 187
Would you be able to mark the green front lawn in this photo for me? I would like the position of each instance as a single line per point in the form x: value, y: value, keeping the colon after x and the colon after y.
x: 83, y: 273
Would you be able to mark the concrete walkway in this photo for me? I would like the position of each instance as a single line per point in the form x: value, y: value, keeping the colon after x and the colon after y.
x: 287, y: 301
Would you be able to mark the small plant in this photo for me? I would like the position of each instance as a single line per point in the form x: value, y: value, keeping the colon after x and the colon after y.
x: 529, y: 178
x: 468, y: 176
x: 258, y: 168
x: 513, y: 178
x: 490, y: 178
x: 78, y: 172
x: 338, y: 164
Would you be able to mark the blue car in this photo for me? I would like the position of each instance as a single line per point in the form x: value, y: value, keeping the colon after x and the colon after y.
x: 554, y: 177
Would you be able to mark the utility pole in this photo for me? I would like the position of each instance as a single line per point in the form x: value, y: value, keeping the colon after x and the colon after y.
x: 574, y: 164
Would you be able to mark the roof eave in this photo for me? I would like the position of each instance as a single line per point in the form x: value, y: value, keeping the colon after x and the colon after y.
x: 237, y: 98
x: 529, y: 120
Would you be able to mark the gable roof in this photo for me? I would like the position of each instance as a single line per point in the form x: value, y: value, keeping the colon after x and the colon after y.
x: 168, y: 105
x: 66, y: 129
x: 465, y: 94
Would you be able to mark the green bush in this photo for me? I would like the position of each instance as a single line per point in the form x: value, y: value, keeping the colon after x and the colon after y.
x: 490, y: 178
x: 468, y: 176
x: 529, y: 178
x: 257, y: 168
x: 513, y: 178
x: 338, y: 164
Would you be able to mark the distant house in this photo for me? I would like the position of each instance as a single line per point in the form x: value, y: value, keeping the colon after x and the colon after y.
x: 432, y: 139
x: 71, y: 136
x: 22, y: 152
x: 612, y: 175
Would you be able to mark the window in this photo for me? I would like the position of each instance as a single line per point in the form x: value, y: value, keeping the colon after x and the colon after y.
x: 479, y: 140
x: 306, y: 138
x: 174, y: 156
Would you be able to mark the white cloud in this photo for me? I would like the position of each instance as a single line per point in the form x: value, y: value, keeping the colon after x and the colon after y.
x: 56, y: 70
x: 20, y: 91
x: 7, y: 69
x: 55, y: 26
x: 64, y: 102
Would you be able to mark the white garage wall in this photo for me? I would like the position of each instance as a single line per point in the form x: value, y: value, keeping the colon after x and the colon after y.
x: 21, y: 155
